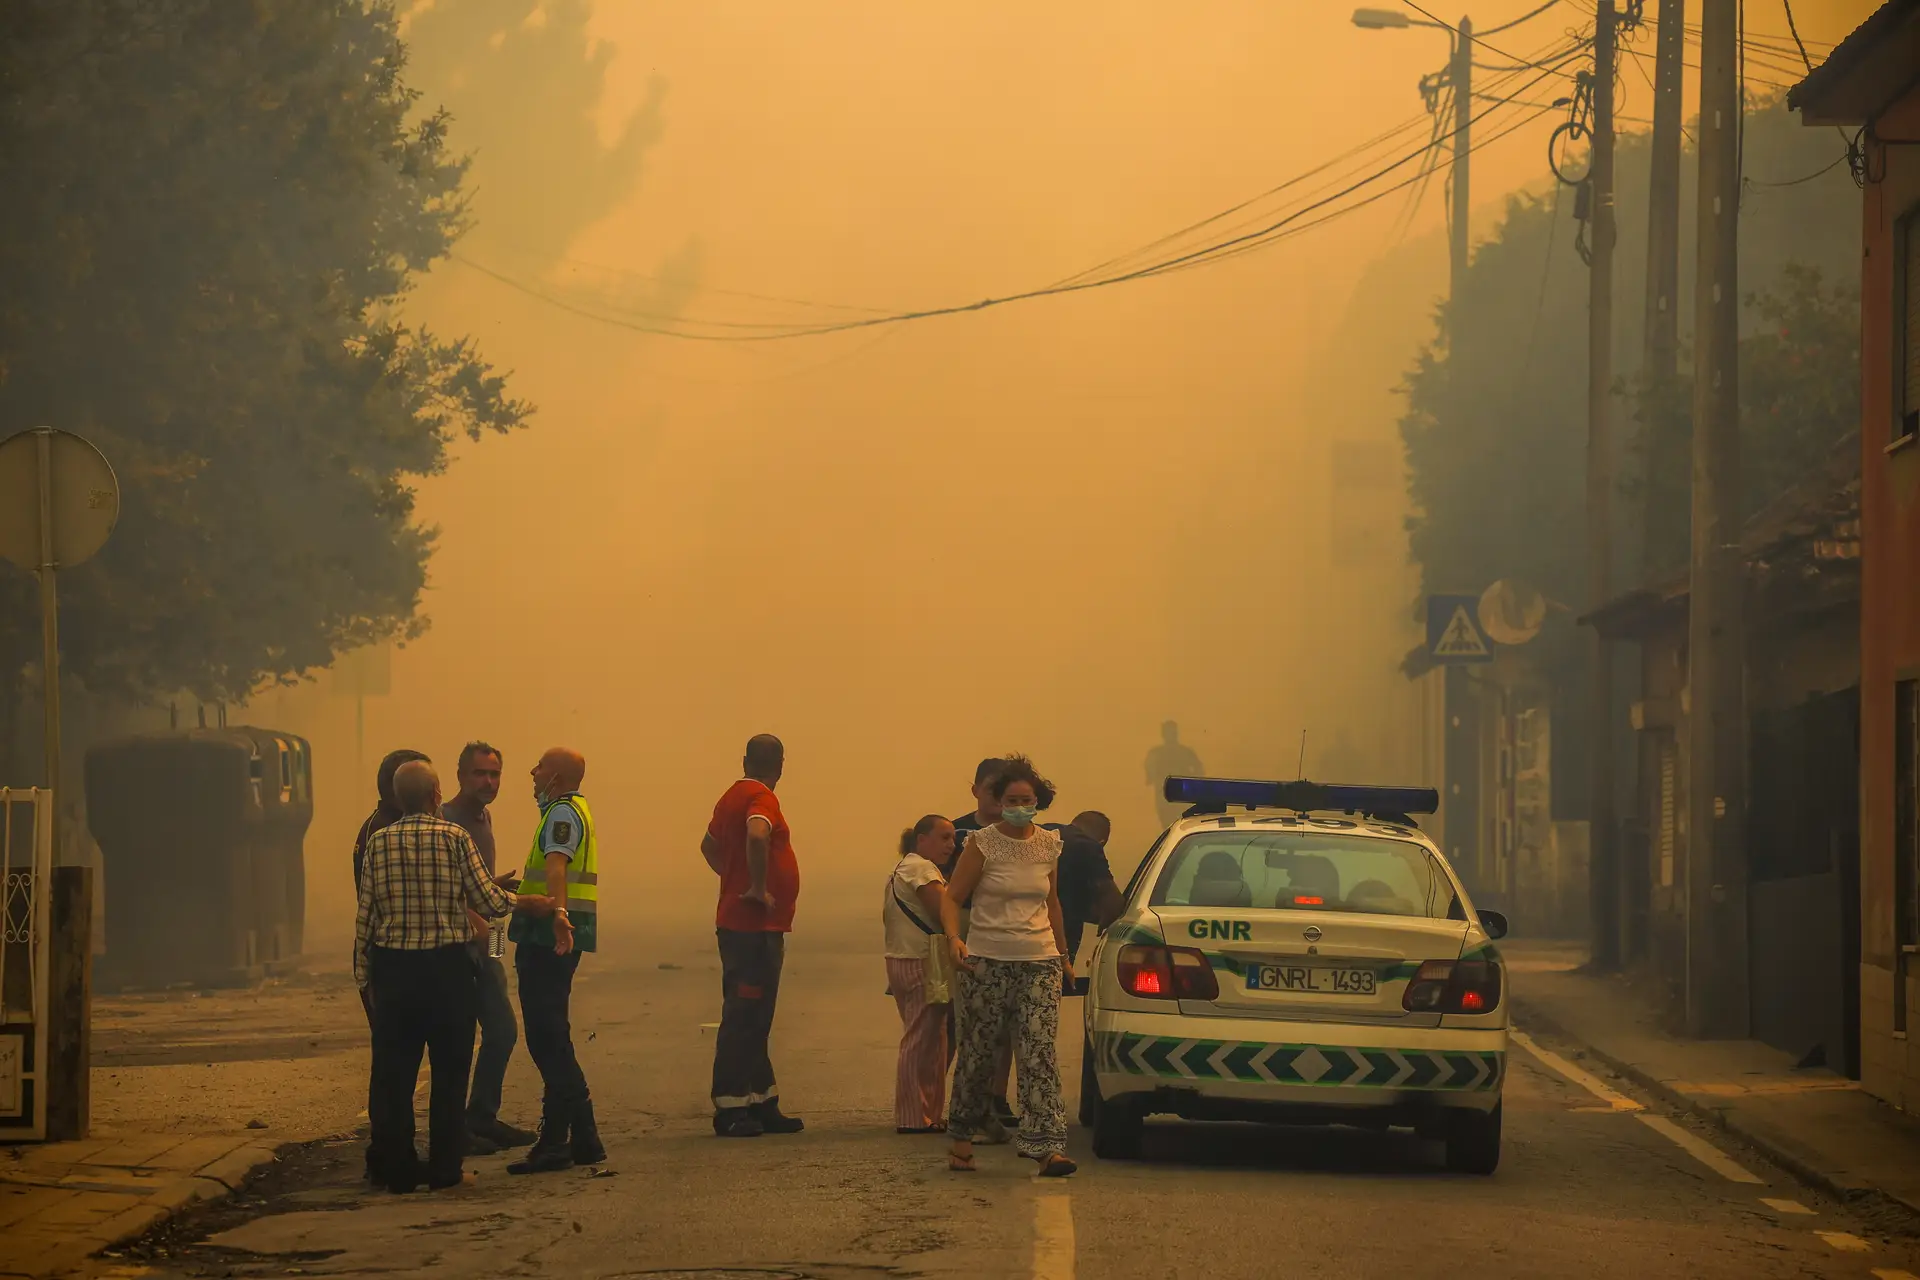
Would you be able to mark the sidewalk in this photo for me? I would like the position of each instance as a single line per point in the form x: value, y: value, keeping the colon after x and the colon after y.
x: 1814, y: 1123
x: 192, y: 1092
x: 63, y: 1202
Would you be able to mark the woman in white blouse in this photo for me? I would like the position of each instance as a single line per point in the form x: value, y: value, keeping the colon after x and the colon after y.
x: 912, y: 912
x: 1015, y: 957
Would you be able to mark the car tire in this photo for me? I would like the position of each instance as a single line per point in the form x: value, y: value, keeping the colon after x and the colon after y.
x: 1089, y: 1087
x: 1473, y: 1142
x: 1117, y: 1131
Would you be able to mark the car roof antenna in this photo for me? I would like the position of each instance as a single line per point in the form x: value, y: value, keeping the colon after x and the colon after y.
x: 1303, y: 755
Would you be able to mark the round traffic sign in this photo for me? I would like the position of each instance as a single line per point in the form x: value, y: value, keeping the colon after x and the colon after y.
x: 83, y: 497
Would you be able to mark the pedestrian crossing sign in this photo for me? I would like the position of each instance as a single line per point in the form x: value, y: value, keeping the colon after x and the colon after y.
x: 1454, y: 634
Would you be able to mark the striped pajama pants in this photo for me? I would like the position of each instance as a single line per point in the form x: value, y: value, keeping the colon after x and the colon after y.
x: 920, y: 1078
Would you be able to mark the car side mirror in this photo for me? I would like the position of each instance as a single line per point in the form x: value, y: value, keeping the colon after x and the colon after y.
x: 1494, y: 923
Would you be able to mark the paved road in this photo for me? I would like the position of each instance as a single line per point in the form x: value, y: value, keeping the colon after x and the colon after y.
x: 1589, y: 1186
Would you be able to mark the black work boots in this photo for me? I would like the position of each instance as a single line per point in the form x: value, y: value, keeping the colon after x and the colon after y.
x: 751, y: 1122
x: 566, y: 1139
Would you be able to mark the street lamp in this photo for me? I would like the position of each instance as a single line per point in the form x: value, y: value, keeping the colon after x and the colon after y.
x: 1459, y: 74
x: 1459, y: 709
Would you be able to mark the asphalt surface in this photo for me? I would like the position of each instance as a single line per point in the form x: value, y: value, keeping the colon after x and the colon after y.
x: 1588, y: 1186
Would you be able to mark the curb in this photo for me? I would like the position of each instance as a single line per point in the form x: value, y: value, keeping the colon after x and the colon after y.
x: 1774, y: 1148
x: 214, y: 1181
x: 234, y: 1168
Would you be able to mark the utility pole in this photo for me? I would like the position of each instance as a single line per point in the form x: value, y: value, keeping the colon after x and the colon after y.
x: 1460, y: 703
x: 1716, y: 988
x: 1659, y: 363
x: 1603, y: 879
x: 1662, y: 328
x: 1460, y: 76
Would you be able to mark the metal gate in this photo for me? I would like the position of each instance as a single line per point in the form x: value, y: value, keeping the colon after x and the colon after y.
x: 26, y: 879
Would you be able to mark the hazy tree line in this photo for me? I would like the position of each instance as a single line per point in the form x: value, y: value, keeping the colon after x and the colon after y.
x: 1496, y: 417
x: 215, y: 210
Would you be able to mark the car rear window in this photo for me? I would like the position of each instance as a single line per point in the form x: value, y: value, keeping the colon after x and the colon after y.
x: 1304, y: 871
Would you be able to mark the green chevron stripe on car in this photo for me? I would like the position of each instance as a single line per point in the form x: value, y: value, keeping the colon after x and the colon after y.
x: 1254, y: 1062
x: 1381, y: 1067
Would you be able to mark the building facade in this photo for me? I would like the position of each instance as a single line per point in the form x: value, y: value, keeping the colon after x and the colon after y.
x: 1802, y: 674
x: 1870, y: 87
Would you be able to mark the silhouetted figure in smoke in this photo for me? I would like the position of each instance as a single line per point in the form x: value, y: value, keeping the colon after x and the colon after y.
x: 1172, y: 758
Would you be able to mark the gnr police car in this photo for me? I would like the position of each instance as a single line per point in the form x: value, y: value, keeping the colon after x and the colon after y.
x: 1298, y: 953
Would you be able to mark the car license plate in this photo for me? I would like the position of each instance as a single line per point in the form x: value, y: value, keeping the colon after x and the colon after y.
x: 1306, y: 981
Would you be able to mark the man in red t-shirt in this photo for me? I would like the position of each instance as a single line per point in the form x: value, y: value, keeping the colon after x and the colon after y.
x: 750, y: 848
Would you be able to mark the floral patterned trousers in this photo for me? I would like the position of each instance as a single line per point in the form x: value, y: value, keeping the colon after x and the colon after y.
x: 1023, y: 997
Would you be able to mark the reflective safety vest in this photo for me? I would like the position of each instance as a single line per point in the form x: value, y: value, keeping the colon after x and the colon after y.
x: 583, y: 884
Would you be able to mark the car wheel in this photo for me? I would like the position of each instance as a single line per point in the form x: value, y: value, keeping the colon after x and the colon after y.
x: 1089, y: 1108
x: 1473, y: 1141
x: 1117, y: 1131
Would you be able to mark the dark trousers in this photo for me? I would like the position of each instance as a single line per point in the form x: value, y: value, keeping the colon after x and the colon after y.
x: 749, y: 986
x: 366, y: 1006
x: 422, y: 1001
x: 546, y: 990
x: 498, y: 1033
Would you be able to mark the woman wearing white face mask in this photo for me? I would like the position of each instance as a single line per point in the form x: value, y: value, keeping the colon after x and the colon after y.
x: 1015, y: 961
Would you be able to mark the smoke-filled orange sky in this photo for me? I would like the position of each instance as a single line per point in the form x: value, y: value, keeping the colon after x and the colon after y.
x: 1046, y: 527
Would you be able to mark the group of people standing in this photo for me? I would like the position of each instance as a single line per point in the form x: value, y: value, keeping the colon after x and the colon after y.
x: 428, y: 959
x: 984, y: 916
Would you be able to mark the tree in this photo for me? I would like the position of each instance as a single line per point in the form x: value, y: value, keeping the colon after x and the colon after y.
x: 1799, y: 397
x: 524, y: 81
x: 217, y: 205
x: 1495, y: 427
x: 1496, y: 420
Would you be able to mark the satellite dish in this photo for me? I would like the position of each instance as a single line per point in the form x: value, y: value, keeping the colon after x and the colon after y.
x: 1512, y: 612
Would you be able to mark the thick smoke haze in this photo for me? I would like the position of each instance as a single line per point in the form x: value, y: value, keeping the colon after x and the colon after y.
x: 1046, y: 527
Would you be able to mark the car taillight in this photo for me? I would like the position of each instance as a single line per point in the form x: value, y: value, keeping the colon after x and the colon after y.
x: 1453, y: 986
x: 1145, y: 972
x: 1166, y: 973
x: 1193, y: 975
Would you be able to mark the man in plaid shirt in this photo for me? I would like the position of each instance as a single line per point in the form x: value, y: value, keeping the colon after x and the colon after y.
x: 421, y: 877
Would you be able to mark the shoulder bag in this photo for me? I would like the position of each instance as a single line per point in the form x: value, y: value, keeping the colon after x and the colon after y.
x: 938, y: 982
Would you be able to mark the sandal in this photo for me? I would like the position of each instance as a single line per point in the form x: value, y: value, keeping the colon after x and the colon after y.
x: 959, y: 1163
x: 1055, y: 1165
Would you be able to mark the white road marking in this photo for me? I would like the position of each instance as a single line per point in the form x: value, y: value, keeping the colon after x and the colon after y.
x: 1785, y: 1206
x: 1615, y: 1100
x: 1700, y: 1149
x: 1845, y: 1242
x: 1053, y: 1236
x: 1706, y: 1153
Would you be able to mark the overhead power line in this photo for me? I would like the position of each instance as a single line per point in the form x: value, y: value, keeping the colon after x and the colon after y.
x: 1307, y: 215
x: 1514, y: 22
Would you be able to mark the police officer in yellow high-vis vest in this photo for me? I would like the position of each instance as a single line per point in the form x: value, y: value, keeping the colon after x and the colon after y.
x: 559, y: 902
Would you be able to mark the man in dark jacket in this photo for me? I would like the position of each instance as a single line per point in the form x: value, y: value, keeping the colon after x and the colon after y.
x: 386, y: 810
x: 1088, y: 894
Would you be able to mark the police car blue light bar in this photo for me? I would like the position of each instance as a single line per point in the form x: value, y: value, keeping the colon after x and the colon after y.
x: 1219, y: 794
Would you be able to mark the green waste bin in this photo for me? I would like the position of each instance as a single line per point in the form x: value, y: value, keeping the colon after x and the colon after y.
x: 194, y: 829
x: 284, y: 764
